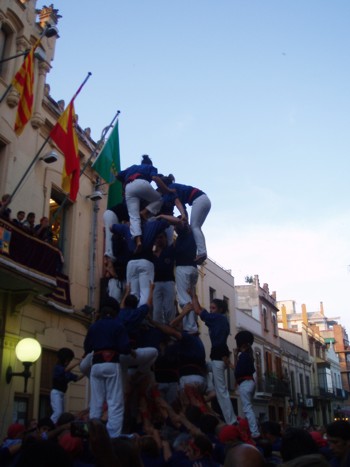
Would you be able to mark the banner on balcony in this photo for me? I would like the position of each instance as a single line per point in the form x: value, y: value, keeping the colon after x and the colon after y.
x: 5, y: 239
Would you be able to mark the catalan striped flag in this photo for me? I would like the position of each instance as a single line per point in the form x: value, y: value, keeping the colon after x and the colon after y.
x: 23, y: 82
x: 65, y: 137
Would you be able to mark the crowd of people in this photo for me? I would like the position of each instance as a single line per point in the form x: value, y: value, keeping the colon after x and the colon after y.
x: 180, y: 438
x: 41, y: 231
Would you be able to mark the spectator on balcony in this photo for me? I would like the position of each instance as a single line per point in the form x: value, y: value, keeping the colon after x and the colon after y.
x: 29, y: 223
x: 19, y: 219
x: 5, y: 211
x: 338, y: 436
x: 43, y: 230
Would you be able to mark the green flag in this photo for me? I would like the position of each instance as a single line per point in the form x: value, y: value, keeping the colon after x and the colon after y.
x: 107, y: 165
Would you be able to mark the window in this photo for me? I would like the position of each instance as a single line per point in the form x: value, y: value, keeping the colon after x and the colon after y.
x: 292, y: 382
x: 274, y: 324
x: 307, y: 384
x: 268, y: 363
x: 48, y: 361
x: 212, y: 294
x: 301, y: 384
x: 5, y: 35
x: 278, y: 365
x: 264, y: 314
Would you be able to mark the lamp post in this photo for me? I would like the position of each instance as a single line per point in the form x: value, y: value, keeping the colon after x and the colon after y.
x: 28, y: 351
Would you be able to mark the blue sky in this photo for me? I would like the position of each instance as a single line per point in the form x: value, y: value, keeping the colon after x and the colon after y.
x: 246, y: 99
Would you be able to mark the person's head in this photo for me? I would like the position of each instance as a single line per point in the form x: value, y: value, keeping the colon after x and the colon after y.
x: 161, y: 240
x: 45, y: 424
x: 181, y: 442
x: 131, y: 301
x: 127, y: 452
x: 200, y: 446
x: 44, y: 221
x: 31, y: 217
x: 20, y: 215
x: 148, y: 445
x: 146, y: 160
x: 338, y: 436
x: 109, y: 308
x: 218, y: 306
x: 270, y: 430
x: 244, y: 340
x: 229, y: 434
x: 15, y: 430
x: 208, y: 423
x: 244, y: 455
x: 167, y: 179
x: 5, y: 198
x: 297, y: 442
x: 64, y: 418
x: 65, y: 356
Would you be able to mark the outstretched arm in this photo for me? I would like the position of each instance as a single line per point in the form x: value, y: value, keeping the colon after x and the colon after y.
x: 186, y: 309
x: 195, y: 302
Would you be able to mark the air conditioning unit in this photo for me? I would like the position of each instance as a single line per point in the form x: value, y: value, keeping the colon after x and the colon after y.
x: 309, y: 402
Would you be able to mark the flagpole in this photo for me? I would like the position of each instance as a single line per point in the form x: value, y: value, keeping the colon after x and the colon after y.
x: 29, y: 167
x: 43, y: 145
x: 103, y: 135
x: 101, y: 140
x: 50, y: 31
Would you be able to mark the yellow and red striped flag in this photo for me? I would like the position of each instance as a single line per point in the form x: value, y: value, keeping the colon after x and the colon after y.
x: 23, y: 82
x: 65, y: 137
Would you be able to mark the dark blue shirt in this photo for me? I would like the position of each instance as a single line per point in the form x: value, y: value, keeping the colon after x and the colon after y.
x: 107, y: 334
x: 219, y: 330
x: 145, y: 171
x: 245, y: 365
x: 185, y: 193
x: 185, y: 248
x: 61, y: 378
x: 191, y: 355
x: 164, y: 265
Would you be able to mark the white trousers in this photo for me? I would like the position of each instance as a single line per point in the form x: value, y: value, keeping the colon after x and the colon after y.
x: 140, y: 275
x: 164, y: 302
x: 145, y: 357
x: 134, y: 192
x: 200, y: 209
x: 246, y: 391
x: 106, y: 385
x: 193, y: 380
x: 186, y: 278
x: 57, y: 404
x: 222, y: 394
x: 115, y: 289
x: 109, y: 218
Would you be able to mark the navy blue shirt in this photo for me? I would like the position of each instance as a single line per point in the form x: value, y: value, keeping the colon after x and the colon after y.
x: 185, y: 248
x: 164, y: 265
x: 61, y: 378
x: 191, y: 355
x: 245, y: 365
x: 219, y: 330
x: 107, y: 334
x: 144, y: 171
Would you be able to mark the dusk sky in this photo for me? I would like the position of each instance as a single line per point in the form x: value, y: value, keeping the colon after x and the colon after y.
x: 247, y: 100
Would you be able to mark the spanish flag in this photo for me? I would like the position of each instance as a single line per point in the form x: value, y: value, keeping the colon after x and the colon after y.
x: 23, y: 82
x: 65, y: 137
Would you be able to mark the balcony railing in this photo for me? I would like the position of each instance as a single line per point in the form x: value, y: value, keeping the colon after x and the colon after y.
x: 274, y: 386
x: 30, y: 264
